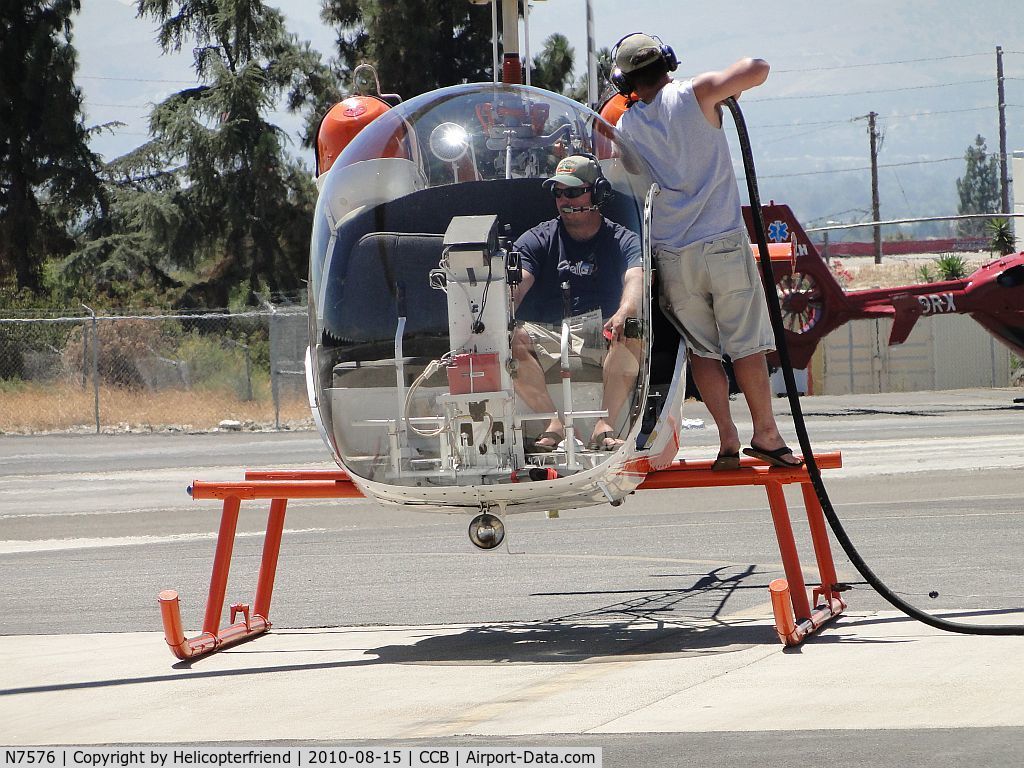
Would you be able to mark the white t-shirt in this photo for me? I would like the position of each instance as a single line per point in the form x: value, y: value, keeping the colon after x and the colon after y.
x: 689, y: 158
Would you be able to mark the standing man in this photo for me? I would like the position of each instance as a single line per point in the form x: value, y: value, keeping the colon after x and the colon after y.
x: 710, y: 288
x: 602, y: 263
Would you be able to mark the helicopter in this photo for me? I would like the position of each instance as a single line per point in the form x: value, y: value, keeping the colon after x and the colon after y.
x: 814, y: 304
x: 411, y: 373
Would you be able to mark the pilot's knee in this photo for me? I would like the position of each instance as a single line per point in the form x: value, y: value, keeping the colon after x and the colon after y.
x: 522, y: 343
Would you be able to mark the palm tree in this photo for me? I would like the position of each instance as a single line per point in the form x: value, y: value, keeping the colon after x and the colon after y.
x: 553, y: 66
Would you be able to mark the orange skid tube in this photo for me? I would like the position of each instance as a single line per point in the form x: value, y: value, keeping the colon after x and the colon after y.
x: 271, y: 489
x: 183, y: 648
x: 795, y: 616
x: 698, y: 474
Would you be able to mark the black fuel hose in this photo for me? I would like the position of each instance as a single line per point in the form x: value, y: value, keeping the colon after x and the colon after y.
x: 775, y: 310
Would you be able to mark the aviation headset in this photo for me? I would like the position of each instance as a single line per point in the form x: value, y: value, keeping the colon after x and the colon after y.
x: 622, y: 81
x: 602, y: 188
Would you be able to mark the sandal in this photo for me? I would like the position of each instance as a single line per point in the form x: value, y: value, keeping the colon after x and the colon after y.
x: 605, y: 441
x: 726, y: 462
x: 774, y: 457
x: 537, y: 447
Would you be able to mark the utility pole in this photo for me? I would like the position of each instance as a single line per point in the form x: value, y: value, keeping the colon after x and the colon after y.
x: 875, y: 215
x: 1004, y: 184
x: 591, y: 60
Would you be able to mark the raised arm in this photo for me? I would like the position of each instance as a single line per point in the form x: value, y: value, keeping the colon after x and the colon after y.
x: 712, y: 88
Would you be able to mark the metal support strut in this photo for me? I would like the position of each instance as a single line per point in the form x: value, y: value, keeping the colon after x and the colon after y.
x: 795, y: 618
x: 257, y: 621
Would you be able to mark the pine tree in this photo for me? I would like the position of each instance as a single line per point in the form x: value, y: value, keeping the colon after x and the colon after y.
x: 48, y: 175
x: 241, y: 208
x: 415, y: 45
x: 978, y: 188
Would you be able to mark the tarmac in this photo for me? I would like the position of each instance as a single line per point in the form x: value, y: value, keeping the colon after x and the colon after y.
x: 861, y: 671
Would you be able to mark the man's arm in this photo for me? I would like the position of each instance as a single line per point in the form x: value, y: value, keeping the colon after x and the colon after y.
x: 629, y: 306
x: 712, y: 88
x: 519, y: 292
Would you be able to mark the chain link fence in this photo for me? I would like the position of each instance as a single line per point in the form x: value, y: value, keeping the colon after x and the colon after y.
x: 99, y: 372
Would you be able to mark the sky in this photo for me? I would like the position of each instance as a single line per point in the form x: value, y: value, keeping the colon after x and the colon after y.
x: 927, y: 69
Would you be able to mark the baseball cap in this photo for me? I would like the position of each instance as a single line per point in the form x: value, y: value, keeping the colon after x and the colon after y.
x: 575, y: 171
x: 636, y: 51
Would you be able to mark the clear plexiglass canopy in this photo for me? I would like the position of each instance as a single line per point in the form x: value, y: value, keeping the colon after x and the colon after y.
x: 423, y: 372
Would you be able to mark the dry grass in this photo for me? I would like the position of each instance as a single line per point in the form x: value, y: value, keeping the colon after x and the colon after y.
x: 897, y: 270
x: 61, y: 407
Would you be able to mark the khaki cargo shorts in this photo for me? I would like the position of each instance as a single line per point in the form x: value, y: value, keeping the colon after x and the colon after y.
x: 712, y: 293
x: 585, y: 339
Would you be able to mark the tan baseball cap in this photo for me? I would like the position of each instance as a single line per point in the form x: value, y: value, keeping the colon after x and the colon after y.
x: 636, y: 51
x: 575, y: 171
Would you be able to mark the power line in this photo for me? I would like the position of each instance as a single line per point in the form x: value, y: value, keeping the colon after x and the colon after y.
x: 882, y: 63
x: 874, y: 91
x: 865, y: 168
x: 936, y: 112
x: 134, y: 79
x: 882, y: 117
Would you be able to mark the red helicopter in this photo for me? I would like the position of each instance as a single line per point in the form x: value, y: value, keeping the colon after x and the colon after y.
x: 814, y: 304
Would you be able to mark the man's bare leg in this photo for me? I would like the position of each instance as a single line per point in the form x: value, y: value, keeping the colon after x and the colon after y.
x: 709, y: 376
x: 531, y: 387
x: 752, y: 377
x: 621, y: 366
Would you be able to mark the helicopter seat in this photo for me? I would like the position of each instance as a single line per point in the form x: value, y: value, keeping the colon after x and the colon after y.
x: 388, y: 275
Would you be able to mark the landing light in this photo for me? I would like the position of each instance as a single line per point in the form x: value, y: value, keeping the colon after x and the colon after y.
x: 486, y: 531
x: 449, y: 142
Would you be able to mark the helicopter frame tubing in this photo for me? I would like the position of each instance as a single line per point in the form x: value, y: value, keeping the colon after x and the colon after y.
x: 796, y: 617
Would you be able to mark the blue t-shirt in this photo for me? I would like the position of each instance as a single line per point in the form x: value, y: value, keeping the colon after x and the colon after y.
x: 594, y: 269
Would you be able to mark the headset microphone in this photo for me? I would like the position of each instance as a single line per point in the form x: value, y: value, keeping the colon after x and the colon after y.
x: 579, y: 208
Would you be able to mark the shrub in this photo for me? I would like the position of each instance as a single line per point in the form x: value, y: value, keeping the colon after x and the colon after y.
x: 951, y: 266
x: 121, y: 344
x: 1001, y: 233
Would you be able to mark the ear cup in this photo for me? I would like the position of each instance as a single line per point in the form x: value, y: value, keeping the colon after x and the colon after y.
x: 602, y: 187
x: 620, y: 80
x: 602, y: 190
x: 671, y: 60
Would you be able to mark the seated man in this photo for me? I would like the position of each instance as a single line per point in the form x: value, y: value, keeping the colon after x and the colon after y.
x: 603, y: 264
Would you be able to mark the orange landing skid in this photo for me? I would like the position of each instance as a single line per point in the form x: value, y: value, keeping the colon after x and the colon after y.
x: 794, y: 617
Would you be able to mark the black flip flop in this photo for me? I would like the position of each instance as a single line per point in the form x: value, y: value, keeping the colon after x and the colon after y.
x: 773, y: 457
x: 597, y: 442
x: 726, y: 461
x: 535, y: 447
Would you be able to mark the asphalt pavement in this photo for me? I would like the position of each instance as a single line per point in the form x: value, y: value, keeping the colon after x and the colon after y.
x: 645, y: 630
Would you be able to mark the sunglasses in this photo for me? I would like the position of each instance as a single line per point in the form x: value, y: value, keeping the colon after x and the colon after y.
x: 570, y: 192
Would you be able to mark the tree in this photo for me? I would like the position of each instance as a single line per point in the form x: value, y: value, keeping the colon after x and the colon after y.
x: 978, y: 188
x: 121, y: 256
x: 553, y: 66
x: 605, y: 90
x: 415, y: 45
x: 239, y: 209
x: 48, y: 175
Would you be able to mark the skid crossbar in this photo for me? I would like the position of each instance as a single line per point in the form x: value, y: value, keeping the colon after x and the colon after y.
x: 795, y: 618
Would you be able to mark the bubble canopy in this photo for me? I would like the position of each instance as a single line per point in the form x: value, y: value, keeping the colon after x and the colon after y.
x: 427, y: 368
